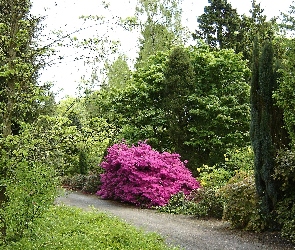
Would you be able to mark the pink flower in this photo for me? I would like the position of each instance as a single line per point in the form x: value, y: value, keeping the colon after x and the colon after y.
x: 143, y: 176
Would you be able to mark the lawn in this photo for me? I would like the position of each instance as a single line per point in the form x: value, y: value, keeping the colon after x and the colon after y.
x: 72, y: 228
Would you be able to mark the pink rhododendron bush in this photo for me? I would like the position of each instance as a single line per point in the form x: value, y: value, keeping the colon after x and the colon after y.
x: 143, y: 176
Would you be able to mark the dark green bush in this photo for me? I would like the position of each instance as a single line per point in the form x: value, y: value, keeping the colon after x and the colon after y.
x: 77, y: 181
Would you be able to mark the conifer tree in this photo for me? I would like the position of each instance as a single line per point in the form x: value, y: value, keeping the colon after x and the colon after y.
x: 267, y: 131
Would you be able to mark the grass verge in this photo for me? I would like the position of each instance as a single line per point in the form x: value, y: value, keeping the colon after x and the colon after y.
x: 67, y: 228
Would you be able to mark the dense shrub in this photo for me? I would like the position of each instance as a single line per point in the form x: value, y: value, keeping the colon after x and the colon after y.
x: 179, y: 204
x: 239, y: 159
x: 143, y: 176
x: 241, y: 203
x: 209, y: 203
x: 214, y: 177
x: 92, y: 181
x: 28, y: 178
x: 285, y: 210
x: 88, y: 183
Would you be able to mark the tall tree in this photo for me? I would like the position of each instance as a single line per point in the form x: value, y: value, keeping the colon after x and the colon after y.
x: 178, y: 85
x: 219, y: 25
x: 160, y: 24
x: 18, y: 71
x: 255, y: 25
x: 18, y: 67
x: 267, y: 130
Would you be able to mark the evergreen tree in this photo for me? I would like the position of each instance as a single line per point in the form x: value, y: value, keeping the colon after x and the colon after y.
x: 219, y: 25
x: 267, y: 131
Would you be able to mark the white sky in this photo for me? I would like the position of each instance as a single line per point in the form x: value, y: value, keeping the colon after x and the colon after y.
x: 64, y: 15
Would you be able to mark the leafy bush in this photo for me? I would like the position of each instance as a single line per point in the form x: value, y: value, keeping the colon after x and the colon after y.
x: 285, y: 209
x: 179, y: 204
x: 241, y: 203
x: 92, y: 182
x: 209, y: 203
x: 239, y: 159
x: 77, y: 181
x: 143, y: 176
x: 28, y: 179
x: 71, y: 228
x: 214, y: 177
x: 203, y: 202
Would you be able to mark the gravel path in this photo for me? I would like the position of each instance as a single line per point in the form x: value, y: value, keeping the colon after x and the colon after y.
x: 185, y: 231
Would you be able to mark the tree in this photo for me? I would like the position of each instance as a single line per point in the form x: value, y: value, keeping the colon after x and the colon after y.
x: 219, y: 25
x: 18, y: 55
x: 255, y: 25
x: 267, y: 127
x: 178, y: 86
x: 118, y: 73
x: 160, y: 27
x: 192, y: 101
x: 219, y: 108
x: 21, y: 99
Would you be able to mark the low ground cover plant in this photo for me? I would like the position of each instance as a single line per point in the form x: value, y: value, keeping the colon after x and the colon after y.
x: 71, y: 228
x: 143, y: 176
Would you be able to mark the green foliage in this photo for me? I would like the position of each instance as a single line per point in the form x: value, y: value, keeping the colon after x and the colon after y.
x: 20, y: 95
x: 285, y: 209
x: 178, y: 85
x: 209, y: 203
x: 71, y: 228
x: 192, y: 101
x: 219, y: 107
x: 239, y: 159
x: 202, y: 203
x: 160, y: 27
x: 179, y: 204
x: 267, y: 128
x: 29, y: 178
x: 285, y: 216
x: 87, y: 183
x: 30, y: 189
x: 284, y: 95
x: 218, y: 25
x: 118, y: 73
x: 241, y: 203
x: 214, y: 177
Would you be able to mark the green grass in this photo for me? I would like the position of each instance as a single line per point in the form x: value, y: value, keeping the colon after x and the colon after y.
x: 71, y: 228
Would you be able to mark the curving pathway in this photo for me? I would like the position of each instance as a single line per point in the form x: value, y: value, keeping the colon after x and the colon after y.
x: 185, y: 231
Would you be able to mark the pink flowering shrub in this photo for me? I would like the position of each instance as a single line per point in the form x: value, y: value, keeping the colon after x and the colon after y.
x: 143, y: 176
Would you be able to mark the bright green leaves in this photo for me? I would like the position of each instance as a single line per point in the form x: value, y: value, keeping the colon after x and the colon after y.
x: 192, y: 101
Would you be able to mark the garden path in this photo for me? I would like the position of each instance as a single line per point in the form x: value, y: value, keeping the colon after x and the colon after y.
x: 185, y: 231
